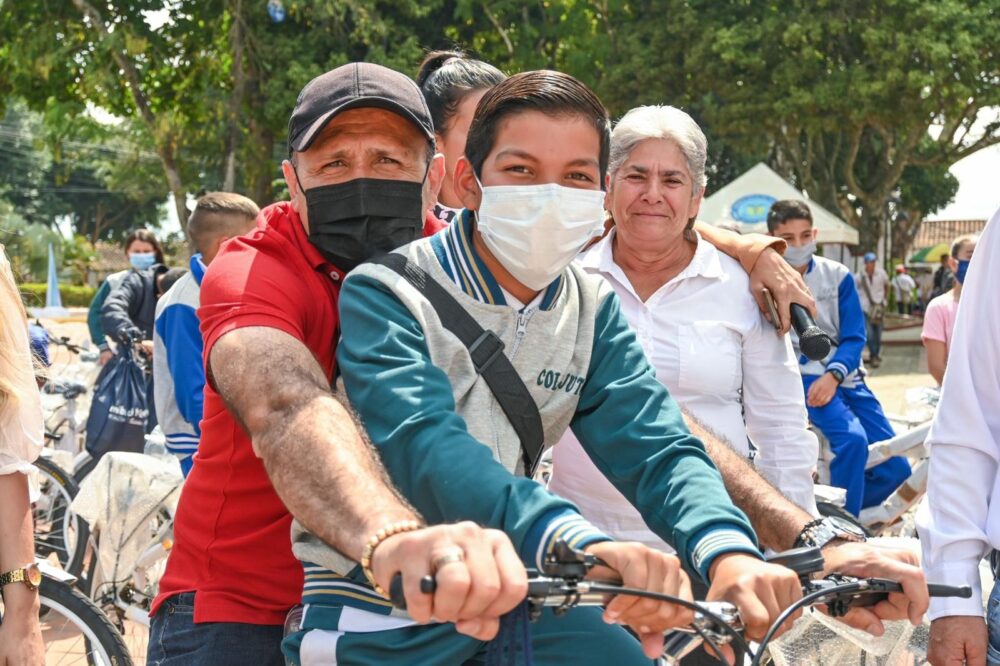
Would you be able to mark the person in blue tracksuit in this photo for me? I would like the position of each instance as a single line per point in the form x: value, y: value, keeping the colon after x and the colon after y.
x: 839, y: 402
x: 179, y: 373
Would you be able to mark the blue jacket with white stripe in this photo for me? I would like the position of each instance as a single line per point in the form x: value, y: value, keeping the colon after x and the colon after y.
x: 178, y: 368
x: 839, y: 314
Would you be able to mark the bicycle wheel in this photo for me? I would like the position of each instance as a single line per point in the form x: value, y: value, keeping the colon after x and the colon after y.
x: 75, y: 630
x: 58, y: 530
x: 85, y: 468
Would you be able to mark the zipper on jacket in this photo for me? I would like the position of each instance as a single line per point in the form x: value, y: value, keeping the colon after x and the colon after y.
x: 522, y: 324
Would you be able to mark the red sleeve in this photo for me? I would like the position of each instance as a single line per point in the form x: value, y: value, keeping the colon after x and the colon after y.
x: 243, y: 287
x: 432, y: 225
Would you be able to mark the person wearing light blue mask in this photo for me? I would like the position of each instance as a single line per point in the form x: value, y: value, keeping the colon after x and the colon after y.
x: 939, y: 318
x: 837, y: 399
x: 142, y: 250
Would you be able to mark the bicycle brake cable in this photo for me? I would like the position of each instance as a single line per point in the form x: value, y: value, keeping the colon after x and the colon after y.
x: 807, y: 600
x: 735, y: 635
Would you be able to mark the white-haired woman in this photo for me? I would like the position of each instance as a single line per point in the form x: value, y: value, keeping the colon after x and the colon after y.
x: 693, y: 312
x: 21, y: 433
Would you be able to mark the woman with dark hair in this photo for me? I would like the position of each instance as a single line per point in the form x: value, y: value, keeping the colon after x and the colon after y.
x: 142, y: 250
x: 453, y: 84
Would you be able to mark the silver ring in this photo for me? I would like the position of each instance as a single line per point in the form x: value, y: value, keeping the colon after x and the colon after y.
x: 444, y: 560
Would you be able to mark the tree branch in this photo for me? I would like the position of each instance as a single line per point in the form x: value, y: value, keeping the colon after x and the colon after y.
x: 499, y: 29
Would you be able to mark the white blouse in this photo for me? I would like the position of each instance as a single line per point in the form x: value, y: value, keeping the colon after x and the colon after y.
x: 723, y: 363
x: 22, y: 430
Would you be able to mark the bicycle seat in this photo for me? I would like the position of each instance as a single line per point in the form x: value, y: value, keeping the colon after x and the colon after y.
x: 68, y: 390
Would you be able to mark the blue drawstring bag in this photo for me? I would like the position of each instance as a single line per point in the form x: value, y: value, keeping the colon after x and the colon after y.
x: 120, y: 409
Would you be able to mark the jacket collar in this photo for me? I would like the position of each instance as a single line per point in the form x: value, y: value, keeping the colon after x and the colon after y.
x: 600, y: 259
x: 458, y: 257
x: 197, y: 268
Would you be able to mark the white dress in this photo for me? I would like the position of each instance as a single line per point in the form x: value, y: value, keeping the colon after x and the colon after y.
x: 22, y: 431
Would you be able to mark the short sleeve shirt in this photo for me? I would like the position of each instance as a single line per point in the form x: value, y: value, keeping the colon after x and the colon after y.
x: 939, y: 319
x: 232, y: 532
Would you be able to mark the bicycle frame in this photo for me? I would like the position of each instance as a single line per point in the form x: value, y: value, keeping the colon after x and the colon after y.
x: 908, y: 444
x: 133, y: 595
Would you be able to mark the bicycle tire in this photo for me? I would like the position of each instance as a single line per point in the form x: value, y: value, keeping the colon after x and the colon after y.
x: 828, y: 509
x: 86, y: 468
x: 58, y: 596
x: 70, y: 556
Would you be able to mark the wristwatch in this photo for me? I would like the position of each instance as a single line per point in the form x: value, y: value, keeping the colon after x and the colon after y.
x: 837, y: 374
x: 822, y: 531
x: 29, y: 574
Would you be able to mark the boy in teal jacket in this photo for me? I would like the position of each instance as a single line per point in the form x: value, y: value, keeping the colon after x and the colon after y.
x: 532, y: 180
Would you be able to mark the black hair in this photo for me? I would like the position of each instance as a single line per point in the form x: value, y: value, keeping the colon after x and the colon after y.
x: 446, y: 78
x: 785, y: 210
x: 552, y: 93
x: 167, y: 279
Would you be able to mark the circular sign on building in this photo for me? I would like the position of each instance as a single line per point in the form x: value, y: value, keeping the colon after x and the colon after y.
x: 752, y: 209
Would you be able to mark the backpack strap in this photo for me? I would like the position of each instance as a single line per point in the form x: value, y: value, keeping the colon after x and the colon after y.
x: 487, y: 352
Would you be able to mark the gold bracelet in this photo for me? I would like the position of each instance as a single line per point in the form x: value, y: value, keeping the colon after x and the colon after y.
x: 366, y: 553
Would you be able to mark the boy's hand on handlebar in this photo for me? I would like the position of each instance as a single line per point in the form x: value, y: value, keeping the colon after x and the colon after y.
x: 641, y: 567
x: 760, y: 591
x: 865, y: 560
x: 478, y: 573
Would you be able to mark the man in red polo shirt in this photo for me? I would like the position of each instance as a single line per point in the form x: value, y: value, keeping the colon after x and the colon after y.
x: 275, y: 441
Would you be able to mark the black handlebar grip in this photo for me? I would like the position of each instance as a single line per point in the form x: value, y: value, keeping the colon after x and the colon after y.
x: 813, y: 341
x: 427, y: 585
x: 938, y: 590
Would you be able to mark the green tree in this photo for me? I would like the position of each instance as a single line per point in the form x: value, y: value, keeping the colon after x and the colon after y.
x: 851, y: 93
x: 78, y: 168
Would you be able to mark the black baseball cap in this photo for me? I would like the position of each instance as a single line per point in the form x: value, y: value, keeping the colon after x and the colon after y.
x: 351, y: 86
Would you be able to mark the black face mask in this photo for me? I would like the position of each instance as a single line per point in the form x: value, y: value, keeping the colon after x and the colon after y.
x: 354, y: 221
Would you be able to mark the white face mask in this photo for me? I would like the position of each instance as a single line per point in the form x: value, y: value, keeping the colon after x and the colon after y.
x: 535, y: 231
x: 800, y: 256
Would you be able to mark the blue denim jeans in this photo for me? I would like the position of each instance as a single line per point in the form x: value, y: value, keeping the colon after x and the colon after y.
x: 993, y: 623
x: 874, y: 330
x: 175, y: 640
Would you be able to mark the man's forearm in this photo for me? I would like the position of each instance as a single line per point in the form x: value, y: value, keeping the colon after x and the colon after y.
x: 746, y: 248
x: 775, y: 519
x: 339, y: 492
x: 316, y: 456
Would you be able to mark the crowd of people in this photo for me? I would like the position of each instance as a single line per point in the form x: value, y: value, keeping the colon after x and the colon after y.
x: 343, y: 415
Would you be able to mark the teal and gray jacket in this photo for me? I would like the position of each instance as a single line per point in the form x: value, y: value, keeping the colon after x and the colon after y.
x: 451, y: 451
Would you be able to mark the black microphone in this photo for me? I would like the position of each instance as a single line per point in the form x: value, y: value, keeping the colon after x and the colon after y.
x: 813, y: 341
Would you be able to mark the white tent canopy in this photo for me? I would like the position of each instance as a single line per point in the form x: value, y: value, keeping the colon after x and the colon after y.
x: 747, y: 199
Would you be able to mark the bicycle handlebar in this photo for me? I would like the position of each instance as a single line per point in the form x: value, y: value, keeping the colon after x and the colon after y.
x: 718, y: 622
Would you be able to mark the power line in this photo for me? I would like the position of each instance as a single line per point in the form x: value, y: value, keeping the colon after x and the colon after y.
x: 17, y: 134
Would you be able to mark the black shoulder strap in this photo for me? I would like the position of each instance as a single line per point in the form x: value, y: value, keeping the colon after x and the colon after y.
x: 486, y: 350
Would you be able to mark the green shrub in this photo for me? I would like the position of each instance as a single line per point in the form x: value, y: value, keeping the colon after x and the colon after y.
x: 72, y: 295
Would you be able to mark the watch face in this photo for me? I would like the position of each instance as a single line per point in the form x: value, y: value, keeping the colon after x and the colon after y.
x: 846, y: 526
x: 33, y: 575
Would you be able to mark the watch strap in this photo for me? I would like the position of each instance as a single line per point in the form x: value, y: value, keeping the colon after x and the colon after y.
x: 15, y: 576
